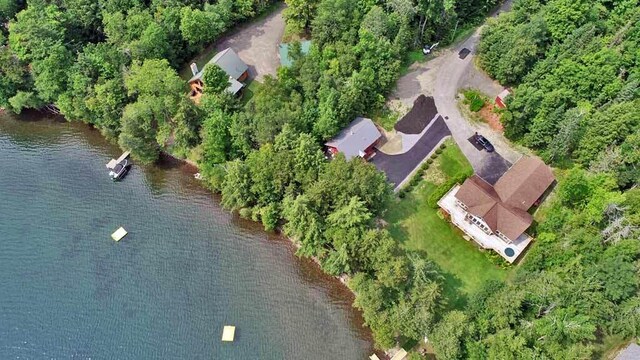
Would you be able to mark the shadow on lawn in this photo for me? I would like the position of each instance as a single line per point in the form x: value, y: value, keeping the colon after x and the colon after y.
x: 451, y: 284
x: 456, y: 300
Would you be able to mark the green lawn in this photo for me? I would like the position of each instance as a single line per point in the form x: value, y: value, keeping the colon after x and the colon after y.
x: 386, y: 118
x: 249, y: 91
x: 420, y: 228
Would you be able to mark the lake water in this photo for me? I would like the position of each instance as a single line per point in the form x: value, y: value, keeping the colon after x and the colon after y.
x: 186, y: 269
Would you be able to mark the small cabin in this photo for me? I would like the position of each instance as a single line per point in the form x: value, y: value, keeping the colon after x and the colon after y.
x: 228, y: 61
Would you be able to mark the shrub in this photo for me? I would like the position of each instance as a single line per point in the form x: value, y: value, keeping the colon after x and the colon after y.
x: 439, y: 151
x: 246, y: 213
x: 441, y: 190
x: 429, y: 161
x: 270, y: 215
x: 474, y: 99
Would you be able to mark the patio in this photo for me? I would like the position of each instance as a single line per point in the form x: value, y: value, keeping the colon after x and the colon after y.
x: 486, y: 241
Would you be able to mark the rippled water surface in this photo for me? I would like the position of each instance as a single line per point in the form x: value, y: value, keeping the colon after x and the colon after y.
x: 187, y: 268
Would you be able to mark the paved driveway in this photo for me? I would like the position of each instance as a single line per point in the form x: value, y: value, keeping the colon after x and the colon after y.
x: 398, y: 167
x: 492, y: 167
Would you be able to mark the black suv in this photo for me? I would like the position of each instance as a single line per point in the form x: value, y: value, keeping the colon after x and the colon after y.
x: 484, y: 143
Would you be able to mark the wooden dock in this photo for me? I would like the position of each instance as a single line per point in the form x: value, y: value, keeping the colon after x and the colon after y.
x: 112, y: 164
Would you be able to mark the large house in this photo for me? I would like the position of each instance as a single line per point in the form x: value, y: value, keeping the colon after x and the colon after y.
x: 228, y: 61
x: 357, y: 139
x: 496, y: 216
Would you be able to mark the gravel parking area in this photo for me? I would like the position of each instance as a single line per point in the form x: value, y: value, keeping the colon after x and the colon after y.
x: 255, y: 42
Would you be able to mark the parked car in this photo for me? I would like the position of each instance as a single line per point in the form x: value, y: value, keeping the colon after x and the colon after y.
x: 427, y: 49
x: 484, y: 143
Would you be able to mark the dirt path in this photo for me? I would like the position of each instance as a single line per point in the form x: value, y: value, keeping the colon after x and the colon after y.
x: 255, y: 42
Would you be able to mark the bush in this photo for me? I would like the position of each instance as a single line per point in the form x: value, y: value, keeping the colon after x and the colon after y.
x: 429, y: 161
x: 474, y: 99
x: 441, y: 190
x: 438, y: 151
x: 270, y: 215
x: 246, y: 213
x: 434, y: 155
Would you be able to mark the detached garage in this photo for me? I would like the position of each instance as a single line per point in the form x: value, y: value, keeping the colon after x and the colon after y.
x: 356, y: 140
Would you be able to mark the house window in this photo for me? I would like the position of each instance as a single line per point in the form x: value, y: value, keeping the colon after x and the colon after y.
x: 479, y: 223
x: 503, y: 237
x: 463, y: 206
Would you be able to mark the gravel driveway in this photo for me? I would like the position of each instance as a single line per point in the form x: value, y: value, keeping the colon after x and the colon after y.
x: 256, y: 43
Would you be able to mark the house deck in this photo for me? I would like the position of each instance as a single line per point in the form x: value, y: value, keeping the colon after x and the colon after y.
x: 486, y: 241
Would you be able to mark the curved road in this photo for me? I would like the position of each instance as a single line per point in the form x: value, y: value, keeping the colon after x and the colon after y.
x: 489, y: 166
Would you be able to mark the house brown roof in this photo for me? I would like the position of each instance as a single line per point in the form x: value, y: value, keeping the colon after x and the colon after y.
x: 504, y: 206
x: 524, y: 183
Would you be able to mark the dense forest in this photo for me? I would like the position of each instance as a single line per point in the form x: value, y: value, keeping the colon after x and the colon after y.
x: 574, y: 66
x: 574, y: 69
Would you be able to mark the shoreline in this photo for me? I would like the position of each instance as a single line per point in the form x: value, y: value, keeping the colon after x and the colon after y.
x: 194, y: 168
x: 168, y: 161
x: 344, y: 278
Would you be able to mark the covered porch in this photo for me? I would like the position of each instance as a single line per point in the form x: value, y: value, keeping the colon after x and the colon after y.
x: 509, y: 251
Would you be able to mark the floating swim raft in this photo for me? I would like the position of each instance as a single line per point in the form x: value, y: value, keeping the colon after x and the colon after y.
x: 119, y: 234
x: 112, y: 164
x: 228, y: 333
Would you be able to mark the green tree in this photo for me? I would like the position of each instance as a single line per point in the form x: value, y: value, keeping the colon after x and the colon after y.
x: 447, y: 335
x: 236, y: 189
x: 575, y: 190
x: 192, y: 21
x: 8, y: 8
x: 304, y: 225
x: 187, y: 122
x: 139, y: 131
x: 298, y: 15
x: 13, y: 76
x: 36, y: 30
x: 24, y: 100
x: 215, y: 140
x: 215, y: 79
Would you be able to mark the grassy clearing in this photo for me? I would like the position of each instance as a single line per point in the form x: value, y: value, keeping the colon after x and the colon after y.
x: 413, y: 56
x: 249, y: 91
x: 474, y: 99
x: 386, y: 118
x: 420, y: 228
